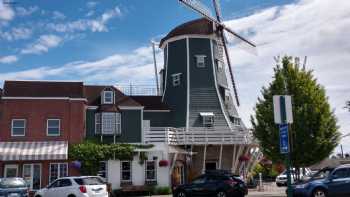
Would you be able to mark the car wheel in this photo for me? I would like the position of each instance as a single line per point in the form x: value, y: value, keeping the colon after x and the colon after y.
x: 221, y: 194
x: 181, y: 194
x: 71, y: 195
x: 319, y: 193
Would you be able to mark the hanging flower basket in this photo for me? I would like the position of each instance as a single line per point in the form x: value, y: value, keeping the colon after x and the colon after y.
x: 163, y: 163
x: 244, y: 158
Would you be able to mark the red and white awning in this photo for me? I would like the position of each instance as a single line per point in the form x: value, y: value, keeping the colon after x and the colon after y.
x: 22, y: 151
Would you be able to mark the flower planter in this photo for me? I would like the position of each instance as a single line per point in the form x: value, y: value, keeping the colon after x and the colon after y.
x: 163, y: 163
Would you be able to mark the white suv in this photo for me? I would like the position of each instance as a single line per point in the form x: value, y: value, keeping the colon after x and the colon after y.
x: 80, y: 186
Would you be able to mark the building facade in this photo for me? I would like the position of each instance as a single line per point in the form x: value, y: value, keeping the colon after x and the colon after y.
x: 38, y: 122
x: 192, y: 123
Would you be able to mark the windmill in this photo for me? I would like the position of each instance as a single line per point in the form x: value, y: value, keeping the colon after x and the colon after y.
x: 221, y: 30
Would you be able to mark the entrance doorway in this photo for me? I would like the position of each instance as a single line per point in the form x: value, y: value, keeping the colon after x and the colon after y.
x: 32, y: 174
x: 210, y: 165
x: 11, y: 170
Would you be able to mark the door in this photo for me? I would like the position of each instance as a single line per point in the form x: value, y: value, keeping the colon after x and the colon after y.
x: 11, y: 170
x: 32, y: 175
x: 210, y: 165
x: 339, y: 184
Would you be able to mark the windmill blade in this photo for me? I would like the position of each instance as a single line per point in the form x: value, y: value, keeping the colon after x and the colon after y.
x: 201, y: 9
x: 230, y: 68
x: 217, y: 10
x: 250, y: 43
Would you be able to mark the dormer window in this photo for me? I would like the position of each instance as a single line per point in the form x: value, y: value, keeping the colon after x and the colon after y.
x: 200, y: 61
x: 176, y: 79
x: 208, y: 119
x: 108, y: 97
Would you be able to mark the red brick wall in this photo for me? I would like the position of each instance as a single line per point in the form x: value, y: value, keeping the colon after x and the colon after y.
x: 36, y: 113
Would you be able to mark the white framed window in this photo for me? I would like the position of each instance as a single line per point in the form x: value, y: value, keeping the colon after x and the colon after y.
x: 176, y: 79
x: 125, y: 171
x: 236, y: 121
x: 200, y: 61
x: 108, y: 97
x: 57, y: 170
x: 102, y: 169
x: 18, y: 127
x: 98, y: 123
x: 10, y: 170
x: 208, y: 121
x: 151, y: 171
x: 111, y: 123
x: 53, y: 127
x: 207, y: 118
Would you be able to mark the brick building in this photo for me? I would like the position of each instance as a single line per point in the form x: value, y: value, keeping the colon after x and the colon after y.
x: 38, y: 120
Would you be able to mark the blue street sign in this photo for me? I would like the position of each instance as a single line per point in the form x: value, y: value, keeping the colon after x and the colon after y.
x: 284, y: 148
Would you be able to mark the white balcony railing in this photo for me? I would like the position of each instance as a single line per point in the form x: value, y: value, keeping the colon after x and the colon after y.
x: 196, y: 135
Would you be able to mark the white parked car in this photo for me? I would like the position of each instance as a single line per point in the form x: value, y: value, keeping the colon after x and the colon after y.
x: 281, y: 180
x: 80, y: 186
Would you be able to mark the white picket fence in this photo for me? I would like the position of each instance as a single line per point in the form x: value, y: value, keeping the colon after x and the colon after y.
x: 195, y: 135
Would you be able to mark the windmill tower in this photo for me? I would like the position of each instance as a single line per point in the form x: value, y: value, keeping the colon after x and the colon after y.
x: 194, y: 78
x: 194, y: 85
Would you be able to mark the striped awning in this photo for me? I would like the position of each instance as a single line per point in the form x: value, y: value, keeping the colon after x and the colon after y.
x: 46, y: 150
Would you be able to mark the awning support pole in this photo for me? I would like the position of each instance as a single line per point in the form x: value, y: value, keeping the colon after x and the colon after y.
x: 233, y: 159
x: 220, y: 157
x: 204, y: 158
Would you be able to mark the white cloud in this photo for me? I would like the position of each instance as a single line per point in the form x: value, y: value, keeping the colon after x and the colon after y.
x: 42, y: 45
x: 8, y: 59
x: 16, y: 33
x: 94, y: 25
x: 314, y: 28
x: 119, y: 68
x: 58, y: 15
x: 6, y: 12
x: 91, y: 4
x: 21, y: 11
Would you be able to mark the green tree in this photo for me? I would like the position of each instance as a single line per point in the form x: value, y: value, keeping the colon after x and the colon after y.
x: 314, y: 132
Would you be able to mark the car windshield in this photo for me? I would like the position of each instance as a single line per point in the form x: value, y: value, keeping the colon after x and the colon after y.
x: 12, y: 183
x: 89, y: 181
x: 322, y: 174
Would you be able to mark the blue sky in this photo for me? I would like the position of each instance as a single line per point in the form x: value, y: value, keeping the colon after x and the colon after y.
x: 108, y: 42
x: 134, y: 23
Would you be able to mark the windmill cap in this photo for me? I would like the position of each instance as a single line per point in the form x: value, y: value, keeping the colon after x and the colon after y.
x: 200, y: 26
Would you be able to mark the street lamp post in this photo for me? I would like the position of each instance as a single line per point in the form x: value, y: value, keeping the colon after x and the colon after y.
x: 341, y: 146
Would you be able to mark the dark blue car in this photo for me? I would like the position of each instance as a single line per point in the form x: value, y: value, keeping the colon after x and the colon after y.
x: 328, y: 182
x: 213, y: 183
x: 13, y: 187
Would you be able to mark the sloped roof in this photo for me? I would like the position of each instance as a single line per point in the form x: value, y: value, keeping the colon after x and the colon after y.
x: 43, y: 89
x: 151, y: 102
x: 93, y: 95
x: 199, y: 26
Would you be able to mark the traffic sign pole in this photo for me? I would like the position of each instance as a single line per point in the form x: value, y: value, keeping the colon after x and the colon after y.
x: 284, y: 142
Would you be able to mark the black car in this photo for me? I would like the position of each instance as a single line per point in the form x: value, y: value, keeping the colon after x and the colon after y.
x: 213, y: 184
x: 16, y: 187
